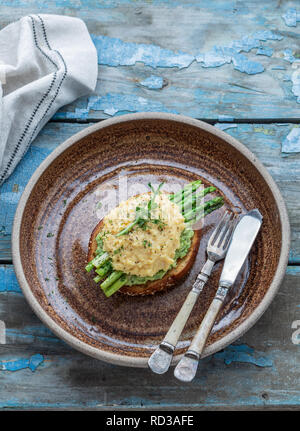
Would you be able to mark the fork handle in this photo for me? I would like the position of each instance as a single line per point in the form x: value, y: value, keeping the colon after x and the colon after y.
x: 161, y: 358
x: 187, y: 366
x: 180, y: 320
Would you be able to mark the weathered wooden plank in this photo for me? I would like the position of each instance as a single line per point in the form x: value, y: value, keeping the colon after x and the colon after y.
x: 37, y: 370
x: 182, y: 33
x: 264, y: 140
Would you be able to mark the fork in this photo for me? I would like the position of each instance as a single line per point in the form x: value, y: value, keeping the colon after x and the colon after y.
x: 161, y: 358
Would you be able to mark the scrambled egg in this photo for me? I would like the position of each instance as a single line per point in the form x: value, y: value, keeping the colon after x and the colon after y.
x: 145, y: 250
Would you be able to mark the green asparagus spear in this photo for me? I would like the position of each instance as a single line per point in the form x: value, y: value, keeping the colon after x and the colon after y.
x: 114, y: 276
x: 98, y: 261
x: 191, y: 201
x: 97, y: 279
x: 102, y: 271
x: 186, y: 191
x: 190, y: 186
x: 207, y: 210
x: 201, y: 208
x: 89, y: 266
x: 115, y: 286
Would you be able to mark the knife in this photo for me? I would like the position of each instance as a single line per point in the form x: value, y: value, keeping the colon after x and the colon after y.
x: 241, y: 242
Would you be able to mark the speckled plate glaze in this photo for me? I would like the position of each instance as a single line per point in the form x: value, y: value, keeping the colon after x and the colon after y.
x: 58, y: 210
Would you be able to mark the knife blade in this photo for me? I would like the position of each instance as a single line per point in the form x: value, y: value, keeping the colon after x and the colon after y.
x: 241, y: 242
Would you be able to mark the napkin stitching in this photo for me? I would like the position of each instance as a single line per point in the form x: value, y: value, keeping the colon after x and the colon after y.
x: 36, y: 44
x: 32, y: 117
x: 62, y: 79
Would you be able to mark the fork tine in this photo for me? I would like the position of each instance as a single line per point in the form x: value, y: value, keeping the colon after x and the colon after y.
x: 229, y: 232
x: 218, y: 229
x: 224, y: 230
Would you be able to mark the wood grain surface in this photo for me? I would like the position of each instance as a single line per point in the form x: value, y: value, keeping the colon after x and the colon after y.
x: 168, y: 56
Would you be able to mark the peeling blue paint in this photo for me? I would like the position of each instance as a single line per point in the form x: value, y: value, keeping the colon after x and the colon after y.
x: 265, y: 35
x: 296, y: 84
x: 8, y: 281
x: 243, y: 64
x: 115, y: 52
x: 291, y: 17
x: 288, y: 55
x: 78, y: 113
x: 278, y: 68
x: 220, y: 55
x: 153, y: 82
x: 112, y: 103
x: 291, y: 143
x: 243, y: 353
x: 20, y: 364
x: 265, y: 50
x: 286, y: 77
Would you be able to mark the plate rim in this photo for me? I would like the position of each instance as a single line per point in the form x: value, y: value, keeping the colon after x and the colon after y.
x: 116, y: 358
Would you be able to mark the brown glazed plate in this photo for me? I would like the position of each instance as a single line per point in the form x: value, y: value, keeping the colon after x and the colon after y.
x: 109, y: 162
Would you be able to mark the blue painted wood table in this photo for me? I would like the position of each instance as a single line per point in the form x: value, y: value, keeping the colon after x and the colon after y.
x: 223, y: 61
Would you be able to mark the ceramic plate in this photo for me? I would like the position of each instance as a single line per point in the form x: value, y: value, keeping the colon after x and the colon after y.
x: 108, y: 162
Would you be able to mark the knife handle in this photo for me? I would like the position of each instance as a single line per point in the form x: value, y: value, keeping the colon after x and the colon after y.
x: 206, y: 325
x: 187, y: 366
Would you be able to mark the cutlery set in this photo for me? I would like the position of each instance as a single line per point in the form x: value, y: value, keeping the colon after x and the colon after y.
x: 232, y: 239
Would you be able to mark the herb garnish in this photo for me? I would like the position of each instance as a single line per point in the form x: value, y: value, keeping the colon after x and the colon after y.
x: 143, y: 214
x: 119, y: 250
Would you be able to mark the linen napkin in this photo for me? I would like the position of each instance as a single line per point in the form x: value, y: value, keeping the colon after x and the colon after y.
x: 46, y: 61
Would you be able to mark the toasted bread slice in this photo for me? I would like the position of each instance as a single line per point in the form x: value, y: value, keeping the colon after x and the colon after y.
x: 171, y: 278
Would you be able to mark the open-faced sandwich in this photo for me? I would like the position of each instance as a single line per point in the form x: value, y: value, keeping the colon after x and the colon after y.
x: 148, y: 243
